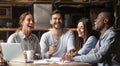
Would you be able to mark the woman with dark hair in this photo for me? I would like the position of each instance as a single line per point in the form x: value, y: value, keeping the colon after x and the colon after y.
x: 86, y: 35
x: 106, y: 51
x: 24, y: 36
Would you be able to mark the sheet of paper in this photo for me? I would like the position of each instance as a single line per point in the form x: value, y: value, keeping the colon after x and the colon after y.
x: 56, y: 60
x: 70, y: 63
x: 47, y: 61
x: 41, y: 62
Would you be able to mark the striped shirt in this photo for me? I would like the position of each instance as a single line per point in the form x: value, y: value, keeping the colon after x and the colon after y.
x: 28, y: 43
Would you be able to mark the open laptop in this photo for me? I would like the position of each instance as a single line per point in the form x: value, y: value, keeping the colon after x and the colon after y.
x: 12, y: 52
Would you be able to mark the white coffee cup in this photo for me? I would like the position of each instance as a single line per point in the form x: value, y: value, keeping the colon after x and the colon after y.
x: 30, y: 54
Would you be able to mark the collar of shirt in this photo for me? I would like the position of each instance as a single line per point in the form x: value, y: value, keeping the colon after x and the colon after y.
x: 22, y: 35
x: 106, y: 33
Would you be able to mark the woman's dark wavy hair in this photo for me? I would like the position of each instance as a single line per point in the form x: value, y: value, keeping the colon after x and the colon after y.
x: 87, y: 25
x: 88, y: 29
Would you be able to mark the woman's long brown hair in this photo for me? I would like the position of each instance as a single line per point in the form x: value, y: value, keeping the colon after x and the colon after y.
x: 21, y: 19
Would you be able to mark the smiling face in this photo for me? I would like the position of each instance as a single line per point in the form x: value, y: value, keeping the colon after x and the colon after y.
x: 56, y: 21
x: 100, y: 22
x: 80, y: 29
x: 27, y: 23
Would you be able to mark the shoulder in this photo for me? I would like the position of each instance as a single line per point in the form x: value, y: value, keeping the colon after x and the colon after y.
x: 46, y: 34
x: 14, y: 35
x: 33, y: 36
x: 67, y: 31
x: 92, y: 37
x: 92, y: 40
x: 111, y: 32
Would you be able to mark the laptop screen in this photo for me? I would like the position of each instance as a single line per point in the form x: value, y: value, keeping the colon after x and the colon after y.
x: 12, y: 52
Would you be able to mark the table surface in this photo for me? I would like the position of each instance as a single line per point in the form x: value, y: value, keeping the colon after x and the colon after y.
x: 31, y: 64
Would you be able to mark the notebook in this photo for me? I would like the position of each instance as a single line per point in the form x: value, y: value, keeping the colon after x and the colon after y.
x: 12, y: 52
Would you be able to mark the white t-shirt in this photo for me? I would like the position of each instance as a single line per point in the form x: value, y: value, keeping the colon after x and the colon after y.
x: 64, y: 44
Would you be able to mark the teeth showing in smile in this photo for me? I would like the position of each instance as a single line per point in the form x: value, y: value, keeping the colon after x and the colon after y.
x: 30, y: 26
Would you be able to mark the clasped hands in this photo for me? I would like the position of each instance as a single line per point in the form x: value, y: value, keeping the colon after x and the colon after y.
x: 66, y: 57
x: 69, y: 56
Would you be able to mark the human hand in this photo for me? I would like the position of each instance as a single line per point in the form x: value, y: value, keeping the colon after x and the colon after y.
x: 35, y: 57
x: 52, y: 49
x: 72, y: 52
x: 0, y: 48
x: 66, y: 57
x: 25, y: 54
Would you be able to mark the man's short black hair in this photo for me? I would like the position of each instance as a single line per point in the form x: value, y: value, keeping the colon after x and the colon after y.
x: 110, y: 15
